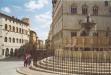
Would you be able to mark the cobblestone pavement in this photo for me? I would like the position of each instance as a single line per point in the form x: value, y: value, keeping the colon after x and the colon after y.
x: 8, y: 66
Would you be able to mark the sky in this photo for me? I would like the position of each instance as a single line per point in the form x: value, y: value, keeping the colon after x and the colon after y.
x: 39, y: 12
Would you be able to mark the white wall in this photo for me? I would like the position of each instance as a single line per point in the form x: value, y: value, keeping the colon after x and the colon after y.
x: 13, y: 35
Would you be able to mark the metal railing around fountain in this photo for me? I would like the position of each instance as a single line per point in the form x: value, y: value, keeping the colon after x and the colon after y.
x: 71, y: 64
x: 85, y: 66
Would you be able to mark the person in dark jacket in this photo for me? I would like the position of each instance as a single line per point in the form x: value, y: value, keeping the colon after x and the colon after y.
x: 25, y: 60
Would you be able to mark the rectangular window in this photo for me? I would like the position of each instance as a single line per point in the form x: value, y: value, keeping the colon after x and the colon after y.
x: 84, y: 11
x: 106, y: 3
x: 6, y: 27
x: 73, y: 10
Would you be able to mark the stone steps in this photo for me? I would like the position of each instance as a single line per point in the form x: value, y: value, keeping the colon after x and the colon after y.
x: 77, y: 68
x: 47, y: 71
x: 29, y: 71
x: 42, y: 69
x: 50, y: 59
x: 82, y: 66
x: 77, y: 64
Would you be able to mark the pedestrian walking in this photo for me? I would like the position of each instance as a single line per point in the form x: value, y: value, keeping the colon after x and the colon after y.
x: 25, y: 60
x: 29, y: 59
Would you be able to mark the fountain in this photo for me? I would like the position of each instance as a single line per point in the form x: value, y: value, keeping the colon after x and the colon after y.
x: 86, y: 57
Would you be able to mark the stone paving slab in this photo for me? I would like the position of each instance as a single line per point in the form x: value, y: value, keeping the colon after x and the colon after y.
x: 27, y: 71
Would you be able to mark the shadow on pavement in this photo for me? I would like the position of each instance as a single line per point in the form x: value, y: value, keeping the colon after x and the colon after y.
x: 12, y: 59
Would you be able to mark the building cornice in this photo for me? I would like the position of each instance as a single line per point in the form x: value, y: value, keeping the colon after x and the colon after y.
x: 13, y: 18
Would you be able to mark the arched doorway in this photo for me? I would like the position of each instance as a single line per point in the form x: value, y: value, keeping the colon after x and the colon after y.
x: 3, y: 52
x: 11, y: 52
x: 7, y: 52
x: 15, y: 54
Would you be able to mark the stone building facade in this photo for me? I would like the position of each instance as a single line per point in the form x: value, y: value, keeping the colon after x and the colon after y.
x: 33, y: 41
x: 68, y: 16
x: 14, y: 33
x: 40, y: 44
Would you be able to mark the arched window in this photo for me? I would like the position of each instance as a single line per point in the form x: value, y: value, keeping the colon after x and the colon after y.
x: 20, y: 40
x: 15, y: 53
x: 11, y: 52
x: 95, y: 10
x: 73, y: 9
x: 9, y: 39
x: 6, y: 27
x: 13, y: 29
x: 5, y: 40
x: 13, y: 40
x: 2, y: 51
x: 23, y: 31
x: 84, y: 9
x: 17, y: 40
x: 17, y: 29
x: 7, y: 52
